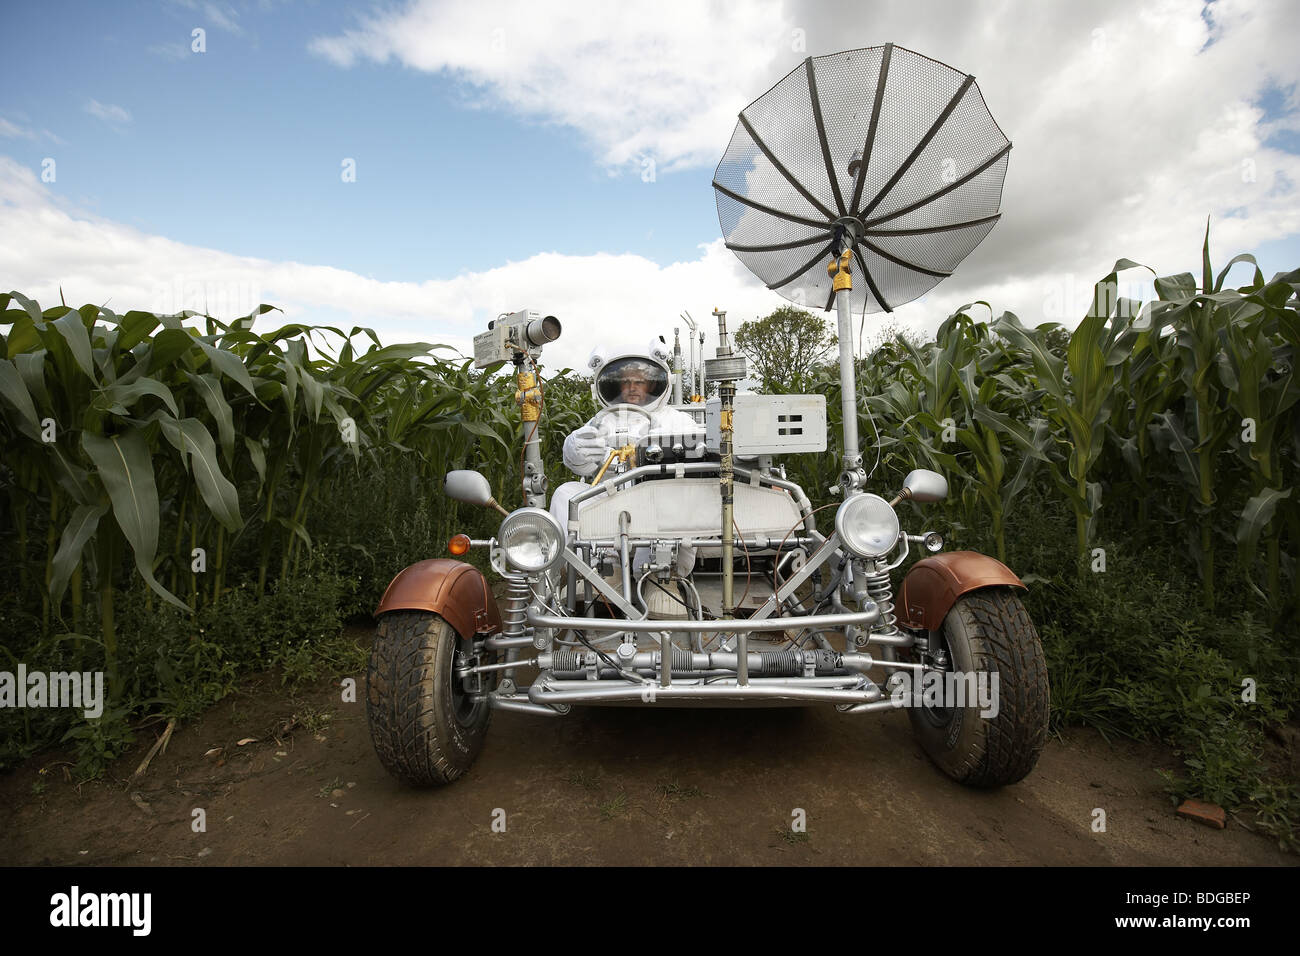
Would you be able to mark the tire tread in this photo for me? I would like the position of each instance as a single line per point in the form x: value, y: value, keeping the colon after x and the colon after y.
x: 402, y: 698
x: 1004, y: 641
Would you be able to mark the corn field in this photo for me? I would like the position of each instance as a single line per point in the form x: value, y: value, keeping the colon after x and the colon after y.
x: 144, y: 445
x: 1177, y: 413
x: 176, y: 460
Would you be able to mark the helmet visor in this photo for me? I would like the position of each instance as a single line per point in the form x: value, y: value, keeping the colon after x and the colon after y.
x: 631, y: 381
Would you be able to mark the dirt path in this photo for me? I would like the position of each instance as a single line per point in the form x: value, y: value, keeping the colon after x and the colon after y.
x: 600, y: 787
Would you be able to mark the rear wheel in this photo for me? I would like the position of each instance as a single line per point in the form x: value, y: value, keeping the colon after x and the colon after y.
x: 426, y: 729
x: 994, y: 739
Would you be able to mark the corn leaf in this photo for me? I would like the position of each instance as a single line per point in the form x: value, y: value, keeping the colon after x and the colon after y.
x: 125, y: 468
x: 78, y: 531
x: 194, y: 442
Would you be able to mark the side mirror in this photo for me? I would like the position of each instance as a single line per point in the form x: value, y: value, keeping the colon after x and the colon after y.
x: 468, y: 486
x: 923, y: 485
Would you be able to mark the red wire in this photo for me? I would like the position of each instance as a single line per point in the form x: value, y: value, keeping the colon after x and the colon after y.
x: 749, y: 570
x: 776, y: 577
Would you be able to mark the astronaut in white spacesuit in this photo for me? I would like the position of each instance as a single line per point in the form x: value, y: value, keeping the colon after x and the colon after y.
x: 627, y: 380
x: 634, y: 379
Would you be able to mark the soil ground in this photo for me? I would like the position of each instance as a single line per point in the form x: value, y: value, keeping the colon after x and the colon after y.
x: 600, y: 786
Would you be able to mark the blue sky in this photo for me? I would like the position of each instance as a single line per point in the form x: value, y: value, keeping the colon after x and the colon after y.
x: 559, y: 156
x: 241, y: 148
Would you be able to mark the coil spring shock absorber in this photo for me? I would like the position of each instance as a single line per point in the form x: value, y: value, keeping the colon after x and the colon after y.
x: 515, y: 614
x: 880, y: 590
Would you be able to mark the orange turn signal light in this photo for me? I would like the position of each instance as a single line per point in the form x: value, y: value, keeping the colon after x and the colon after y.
x: 459, y: 544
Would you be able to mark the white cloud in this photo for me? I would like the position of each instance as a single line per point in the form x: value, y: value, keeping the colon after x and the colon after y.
x: 220, y: 15
x: 611, y: 300
x: 1130, y: 123
x: 108, y: 112
x: 616, y: 300
x: 637, y: 80
x: 223, y: 16
x: 14, y: 131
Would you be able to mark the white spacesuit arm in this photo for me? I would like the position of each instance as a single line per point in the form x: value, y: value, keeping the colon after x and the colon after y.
x: 575, y: 461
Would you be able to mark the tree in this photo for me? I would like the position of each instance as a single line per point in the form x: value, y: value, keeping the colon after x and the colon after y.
x: 784, y: 348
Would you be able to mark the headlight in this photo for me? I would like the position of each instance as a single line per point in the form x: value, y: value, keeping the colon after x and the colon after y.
x: 867, y: 525
x: 531, y: 539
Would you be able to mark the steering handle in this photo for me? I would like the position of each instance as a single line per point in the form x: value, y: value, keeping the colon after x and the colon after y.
x: 619, y: 409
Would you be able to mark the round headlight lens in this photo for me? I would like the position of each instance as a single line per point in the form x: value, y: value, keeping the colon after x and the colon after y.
x: 867, y: 525
x: 531, y: 539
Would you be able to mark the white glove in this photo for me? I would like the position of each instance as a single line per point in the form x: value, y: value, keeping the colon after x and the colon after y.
x: 585, y: 450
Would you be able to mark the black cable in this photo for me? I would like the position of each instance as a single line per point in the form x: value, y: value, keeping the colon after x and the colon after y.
x: 835, y: 583
x: 606, y: 658
x: 595, y: 650
x: 671, y: 595
x: 806, y: 633
x: 705, y: 613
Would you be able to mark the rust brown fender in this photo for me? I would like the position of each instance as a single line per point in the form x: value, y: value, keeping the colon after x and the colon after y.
x: 935, y: 583
x: 456, y: 590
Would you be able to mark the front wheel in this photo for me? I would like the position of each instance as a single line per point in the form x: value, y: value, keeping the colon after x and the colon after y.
x: 993, y: 736
x: 426, y: 729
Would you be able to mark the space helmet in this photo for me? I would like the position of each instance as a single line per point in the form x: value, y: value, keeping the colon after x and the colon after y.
x: 632, y: 378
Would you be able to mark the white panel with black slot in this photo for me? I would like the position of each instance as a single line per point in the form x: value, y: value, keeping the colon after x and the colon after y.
x: 771, y: 424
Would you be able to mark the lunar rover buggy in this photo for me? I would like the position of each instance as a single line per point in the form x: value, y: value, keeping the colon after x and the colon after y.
x: 690, y: 572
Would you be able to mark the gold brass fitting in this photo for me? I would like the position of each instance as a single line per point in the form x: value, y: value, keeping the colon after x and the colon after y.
x: 841, y: 279
x: 528, y: 397
x: 622, y: 454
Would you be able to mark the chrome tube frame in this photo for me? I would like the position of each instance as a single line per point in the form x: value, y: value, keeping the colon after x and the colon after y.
x: 625, y: 553
x: 517, y: 702
x: 496, y: 643
x: 728, y: 677
x: 826, y: 683
x: 541, y: 692
x: 601, y: 585
x: 682, y: 469
x: 704, y: 664
x: 848, y: 390
x: 740, y: 625
x: 752, y: 545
